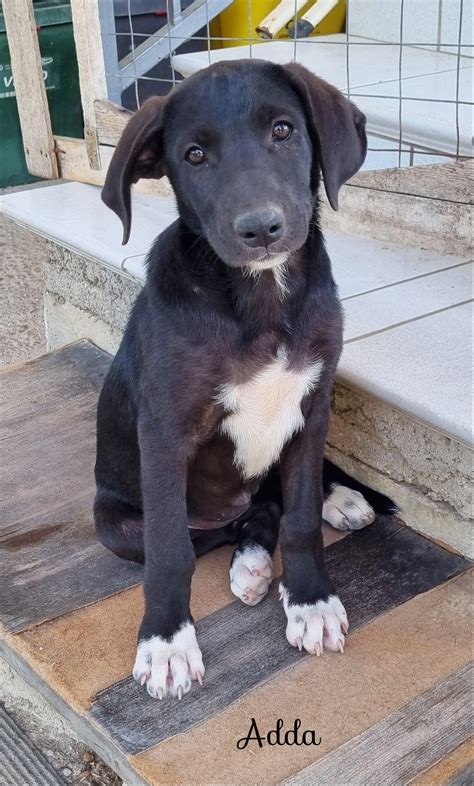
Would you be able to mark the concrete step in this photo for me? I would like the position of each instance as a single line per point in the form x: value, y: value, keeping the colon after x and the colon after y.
x: 426, y: 207
x: 402, y: 408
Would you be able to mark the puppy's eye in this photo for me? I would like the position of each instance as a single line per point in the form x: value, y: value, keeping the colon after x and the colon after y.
x: 195, y: 155
x: 281, y: 131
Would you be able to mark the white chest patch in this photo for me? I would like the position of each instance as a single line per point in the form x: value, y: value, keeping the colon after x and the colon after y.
x: 265, y: 412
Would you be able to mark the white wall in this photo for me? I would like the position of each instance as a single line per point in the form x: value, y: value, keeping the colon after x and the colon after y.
x: 424, y: 21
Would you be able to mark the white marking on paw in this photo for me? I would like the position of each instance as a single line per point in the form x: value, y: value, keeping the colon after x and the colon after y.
x: 265, y: 412
x: 251, y: 574
x: 315, y: 626
x: 169, y: 667
x: 347, y: 509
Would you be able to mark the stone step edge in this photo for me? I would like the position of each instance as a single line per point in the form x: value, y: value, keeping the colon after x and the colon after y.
x: 80, y: 726
x: 406, y: 219
x: 103, y: 323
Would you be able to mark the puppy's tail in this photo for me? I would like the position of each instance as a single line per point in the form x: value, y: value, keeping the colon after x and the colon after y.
x: 119, y: 527
x: 381, y: 504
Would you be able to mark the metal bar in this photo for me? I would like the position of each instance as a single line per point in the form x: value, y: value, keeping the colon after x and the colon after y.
x: 174, y: 12
x: 109, y: 45
x: 458, y: 74
x: 316, y: 41
x: 347, y: 43
x: 400, y: 91
x: 134, y: 63
x: 151, y: 51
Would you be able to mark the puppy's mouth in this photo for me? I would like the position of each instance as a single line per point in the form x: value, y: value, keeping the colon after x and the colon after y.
x: 269, y: 261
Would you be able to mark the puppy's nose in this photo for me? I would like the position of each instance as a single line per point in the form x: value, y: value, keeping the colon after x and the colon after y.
x: 261, y: 228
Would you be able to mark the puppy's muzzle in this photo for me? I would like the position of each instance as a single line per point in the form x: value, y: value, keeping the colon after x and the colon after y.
x: 260, y: 228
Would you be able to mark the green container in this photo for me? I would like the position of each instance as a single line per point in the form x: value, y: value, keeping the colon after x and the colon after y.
x: 58, y: 54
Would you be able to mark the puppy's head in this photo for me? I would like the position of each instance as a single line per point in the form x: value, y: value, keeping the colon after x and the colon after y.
x: 243, y: 144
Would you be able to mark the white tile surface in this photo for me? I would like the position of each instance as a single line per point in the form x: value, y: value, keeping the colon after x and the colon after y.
x: 374, y: 69
x: 382, y: 153
x: 74, y: 215
x: 423, y: 368
x: 432, y: 125
x: 420, y: 367
x: 370, y: 63
x: 361, y: 264
x: 449, y: 28
x: 370, y: 19
x: 402, y: 302
x: 136, y: 267
x: 424, y: 21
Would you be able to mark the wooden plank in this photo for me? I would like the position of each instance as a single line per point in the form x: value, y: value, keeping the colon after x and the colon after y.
x: 73, y: 161
x: 91, y: 65
x: 74, y: 165
x: 35, y: 121
x: 375, y: 570
x: 111, y: 120
x: 50, y: 558
x: 402, y: 744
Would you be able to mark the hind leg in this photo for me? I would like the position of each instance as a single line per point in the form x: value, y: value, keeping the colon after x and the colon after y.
x: 349, y: 504
x: 347, y: 509
x: 119, y: 526
x: 251, y: 568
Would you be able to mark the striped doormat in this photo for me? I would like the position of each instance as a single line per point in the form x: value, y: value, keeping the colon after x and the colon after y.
x: 21, y: 763
x: 395, y: 705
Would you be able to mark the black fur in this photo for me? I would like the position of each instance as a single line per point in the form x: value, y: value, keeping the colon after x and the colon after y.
x: 201, y: 322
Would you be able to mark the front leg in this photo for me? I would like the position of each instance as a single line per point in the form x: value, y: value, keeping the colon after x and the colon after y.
x: 168, y: 655
x: 316, y: 617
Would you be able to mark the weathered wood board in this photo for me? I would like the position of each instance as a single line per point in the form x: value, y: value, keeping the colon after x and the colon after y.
x: 74, y: 165
x: 50, y: 559
x: 91, y: 65
x: 404, y: 743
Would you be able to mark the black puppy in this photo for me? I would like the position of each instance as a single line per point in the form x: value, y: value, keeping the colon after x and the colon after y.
x: 213, y: 417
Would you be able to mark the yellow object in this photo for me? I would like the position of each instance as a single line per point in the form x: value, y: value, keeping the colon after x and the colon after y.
x: 240, y: 19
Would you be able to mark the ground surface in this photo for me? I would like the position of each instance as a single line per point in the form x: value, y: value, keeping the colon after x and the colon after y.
x: 22, y: 336
x: 48, y: 733
x: 71, y: 615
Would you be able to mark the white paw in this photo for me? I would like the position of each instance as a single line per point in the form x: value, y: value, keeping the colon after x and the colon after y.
x: 347, y: 509
x: 169, y: 667
x: 316, y: 626
x: 251, y: 574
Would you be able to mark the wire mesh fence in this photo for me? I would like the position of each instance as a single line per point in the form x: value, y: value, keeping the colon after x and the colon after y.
x: 408, y: 64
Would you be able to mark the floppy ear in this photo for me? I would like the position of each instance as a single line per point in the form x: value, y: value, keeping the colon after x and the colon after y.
x: 338, y: 125
x: 138, y: 154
